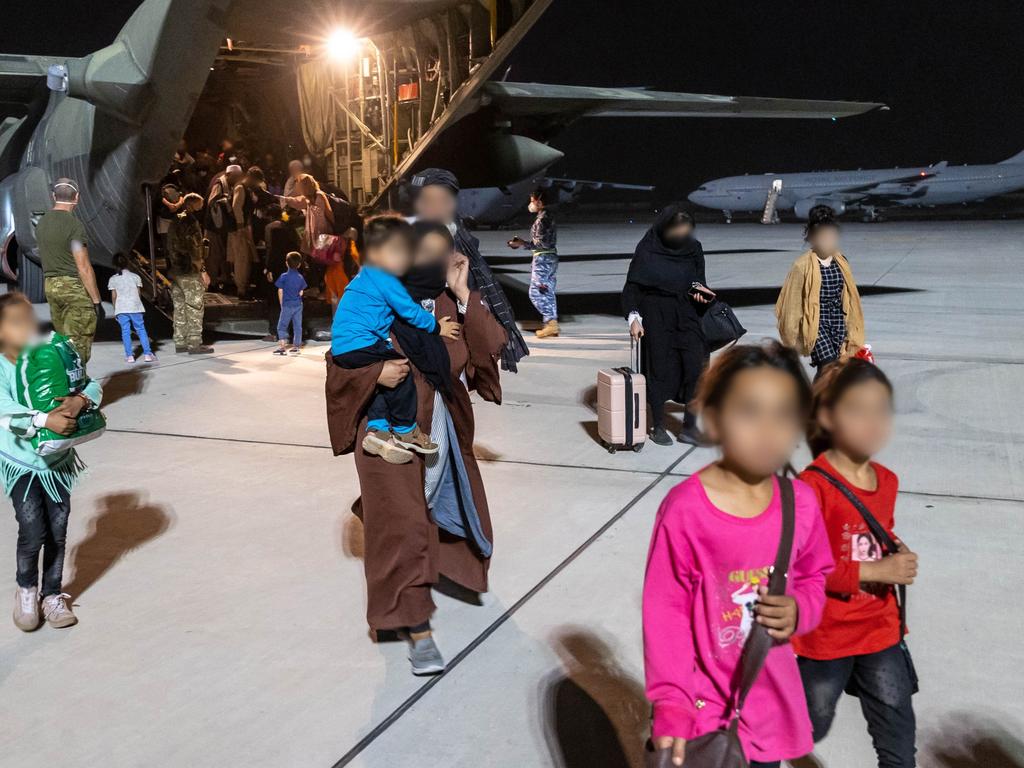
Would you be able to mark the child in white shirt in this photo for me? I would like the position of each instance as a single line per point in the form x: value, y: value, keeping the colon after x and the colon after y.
x: 128, y: 309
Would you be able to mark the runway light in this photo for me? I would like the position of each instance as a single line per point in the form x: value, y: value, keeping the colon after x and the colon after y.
x: 342, y: 44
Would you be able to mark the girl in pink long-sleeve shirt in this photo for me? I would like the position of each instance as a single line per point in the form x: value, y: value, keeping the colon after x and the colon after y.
x: 715, y: 537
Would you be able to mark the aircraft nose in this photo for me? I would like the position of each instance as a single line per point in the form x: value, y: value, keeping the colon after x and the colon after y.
x: 697, y: 197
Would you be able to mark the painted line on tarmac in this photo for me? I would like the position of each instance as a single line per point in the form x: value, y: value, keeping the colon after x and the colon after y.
x: 248, y: 441
x: 422, y: 691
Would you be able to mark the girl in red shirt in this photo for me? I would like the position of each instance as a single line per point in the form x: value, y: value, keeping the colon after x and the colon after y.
x: 858, y: 646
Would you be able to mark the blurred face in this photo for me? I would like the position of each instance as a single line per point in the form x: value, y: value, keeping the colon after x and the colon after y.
x: 432, y: 249
x: 295, y: 167
x: 195, y: 205
x: 759, y: 422
x: 233, y: 177
x: 436, y: 203
x: 394, y: 256
x: 679, y: 232
x: 536, y: 204
x: 825, y: 241
x: 17, y: 327
x: 305, y: 187
x: 861, y: 421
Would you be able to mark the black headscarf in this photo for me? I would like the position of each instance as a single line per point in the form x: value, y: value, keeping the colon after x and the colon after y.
x: 481, y: 278
x: 427, y: 351
x: 669, y: 267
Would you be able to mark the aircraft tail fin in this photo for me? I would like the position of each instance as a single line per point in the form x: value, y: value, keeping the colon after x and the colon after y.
x: 1018, y: 158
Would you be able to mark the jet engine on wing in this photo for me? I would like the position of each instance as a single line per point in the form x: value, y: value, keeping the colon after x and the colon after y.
x: 802, y: 207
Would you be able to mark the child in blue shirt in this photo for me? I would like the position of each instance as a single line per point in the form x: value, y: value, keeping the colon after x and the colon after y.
x: 290, y: 286
x: 360, y: 336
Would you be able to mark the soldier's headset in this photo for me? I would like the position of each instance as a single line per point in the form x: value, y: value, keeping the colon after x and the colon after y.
x: 53, y: 192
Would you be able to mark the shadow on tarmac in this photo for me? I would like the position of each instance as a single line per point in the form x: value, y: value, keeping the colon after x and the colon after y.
x: 594, y: 712
x: 124, y: 524
x: 609, y: 302
x: 970, y: 740
x: 123, y: 384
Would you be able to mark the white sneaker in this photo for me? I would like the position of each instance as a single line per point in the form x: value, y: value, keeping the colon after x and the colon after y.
x: 57, y: 612
x: 26, y: 609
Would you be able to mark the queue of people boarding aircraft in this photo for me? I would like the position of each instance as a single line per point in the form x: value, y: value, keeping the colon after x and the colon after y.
x: 765, y: 597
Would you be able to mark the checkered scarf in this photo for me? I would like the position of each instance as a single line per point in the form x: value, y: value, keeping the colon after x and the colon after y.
x: 482, y: 279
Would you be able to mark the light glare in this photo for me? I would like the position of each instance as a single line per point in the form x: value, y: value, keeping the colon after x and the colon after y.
x: 342, y: 44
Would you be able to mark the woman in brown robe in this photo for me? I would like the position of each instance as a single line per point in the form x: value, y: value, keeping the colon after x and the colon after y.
x: 406, y: 551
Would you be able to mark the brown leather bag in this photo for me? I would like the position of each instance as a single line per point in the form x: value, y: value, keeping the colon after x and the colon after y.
x: 722, y: 748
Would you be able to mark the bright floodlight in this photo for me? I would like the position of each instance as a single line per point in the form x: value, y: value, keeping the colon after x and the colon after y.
x: 342, y: 44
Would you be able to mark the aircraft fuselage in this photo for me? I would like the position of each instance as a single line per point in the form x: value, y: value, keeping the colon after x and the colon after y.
x: 920, y: 186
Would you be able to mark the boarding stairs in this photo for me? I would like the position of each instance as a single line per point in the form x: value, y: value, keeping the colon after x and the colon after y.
x: 770, y: 215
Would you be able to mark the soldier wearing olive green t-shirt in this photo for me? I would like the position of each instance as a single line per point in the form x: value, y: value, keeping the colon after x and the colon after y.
x: 69, y: 280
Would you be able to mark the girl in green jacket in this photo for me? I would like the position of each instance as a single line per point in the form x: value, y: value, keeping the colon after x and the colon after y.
x: 39, y: 486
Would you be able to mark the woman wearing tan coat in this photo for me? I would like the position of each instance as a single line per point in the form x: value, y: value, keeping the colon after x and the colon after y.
x: 818, y: 311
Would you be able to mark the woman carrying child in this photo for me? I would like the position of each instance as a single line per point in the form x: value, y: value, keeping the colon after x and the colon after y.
x: 858, y: 647
x: 715, y: 538
x: 410, y: 542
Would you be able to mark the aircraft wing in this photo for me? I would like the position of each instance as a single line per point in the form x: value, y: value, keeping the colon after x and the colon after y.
x: 897, y: 186
x: 573, y: 101
x: 575, y: 185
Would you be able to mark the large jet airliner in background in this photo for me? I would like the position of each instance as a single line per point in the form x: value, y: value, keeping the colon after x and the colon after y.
x: 862, y: 191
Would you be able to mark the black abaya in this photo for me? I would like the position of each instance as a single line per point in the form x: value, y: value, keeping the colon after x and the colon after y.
x: 657, y: 288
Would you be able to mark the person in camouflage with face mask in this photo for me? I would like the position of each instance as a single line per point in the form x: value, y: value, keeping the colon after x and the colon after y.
x: 189, y: 280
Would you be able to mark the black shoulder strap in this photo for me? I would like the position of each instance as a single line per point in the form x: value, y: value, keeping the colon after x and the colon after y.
x: 884, y: 539
x: 759, y: 642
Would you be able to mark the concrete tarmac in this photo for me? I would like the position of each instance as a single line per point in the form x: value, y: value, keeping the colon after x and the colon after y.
x: 217, y: 574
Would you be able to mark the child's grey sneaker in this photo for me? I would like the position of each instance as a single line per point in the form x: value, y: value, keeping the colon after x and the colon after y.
x: 57, y: 612
x: 425, y: 657
x: 26, y: 609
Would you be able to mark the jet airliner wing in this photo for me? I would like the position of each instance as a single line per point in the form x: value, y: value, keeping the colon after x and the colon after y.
x: 897, y: 186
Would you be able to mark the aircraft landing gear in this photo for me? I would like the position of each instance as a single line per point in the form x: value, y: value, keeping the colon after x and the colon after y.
x: 870, y: 215
x: 728, y: 216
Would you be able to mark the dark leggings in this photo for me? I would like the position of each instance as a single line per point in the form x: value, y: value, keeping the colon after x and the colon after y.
x: 884, y: 686
x: 42, y: 525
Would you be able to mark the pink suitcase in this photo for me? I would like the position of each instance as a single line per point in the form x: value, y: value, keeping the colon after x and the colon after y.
x: 622, y: 405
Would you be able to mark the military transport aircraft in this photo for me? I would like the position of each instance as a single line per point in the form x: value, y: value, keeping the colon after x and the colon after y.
x: 865, y: 192
x: 112, y: 119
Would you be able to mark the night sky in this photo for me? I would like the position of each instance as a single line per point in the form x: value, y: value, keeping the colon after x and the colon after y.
x: 951, y: 71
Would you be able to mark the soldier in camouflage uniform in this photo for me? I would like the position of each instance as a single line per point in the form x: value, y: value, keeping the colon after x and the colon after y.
x: 189, y: 279
x: 69, y: 280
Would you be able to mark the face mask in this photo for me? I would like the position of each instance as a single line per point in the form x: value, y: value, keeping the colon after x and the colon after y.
x: 426, y: 281
x: 532, y: 207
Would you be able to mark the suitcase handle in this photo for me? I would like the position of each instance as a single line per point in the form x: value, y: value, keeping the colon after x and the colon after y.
x: 634, y: 353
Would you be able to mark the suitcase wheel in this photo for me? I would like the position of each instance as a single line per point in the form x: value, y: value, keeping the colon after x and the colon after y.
x: 612, y: 449
x: 638, y: 447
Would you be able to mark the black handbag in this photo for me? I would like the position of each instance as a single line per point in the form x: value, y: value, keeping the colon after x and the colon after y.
x: 890, y: 547
x: 720, y: 326
x: 722, y: 748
